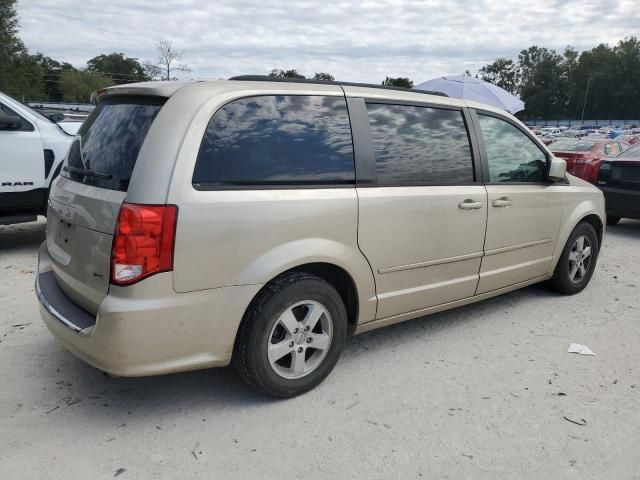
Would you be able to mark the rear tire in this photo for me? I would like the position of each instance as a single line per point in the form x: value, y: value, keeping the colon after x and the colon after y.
x: 577, y: 262
x: 292, y: 335
x: 611, y: 220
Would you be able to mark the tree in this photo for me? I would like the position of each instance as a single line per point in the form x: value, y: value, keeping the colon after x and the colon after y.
x: 543, y: 84
x: 118, y: 68
x: 166, y: 62
x: 323, y: 76
x: 77, y: 85
x: 51, y: 71
x: 18, y: 73
x: 503, y: 72
x: 277, y: 73
x: 403, y: 82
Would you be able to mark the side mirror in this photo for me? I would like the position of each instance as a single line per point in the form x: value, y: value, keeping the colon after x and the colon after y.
x: 9, y: 123
x: 557, y: 169
x: 56, y: 117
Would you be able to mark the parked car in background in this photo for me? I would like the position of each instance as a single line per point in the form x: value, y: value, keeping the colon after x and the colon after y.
x: 262, y: 222
x: 619, y: 180
x: 574, y: 133
x: 583, y: 155
x: 32, y: 147
x: 550, y: 131
x: 630, y: 138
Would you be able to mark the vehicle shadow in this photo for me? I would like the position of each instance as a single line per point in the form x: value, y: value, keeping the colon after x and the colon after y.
x: 625, y: 229
x: 22, y: 236
x: 207, y: 392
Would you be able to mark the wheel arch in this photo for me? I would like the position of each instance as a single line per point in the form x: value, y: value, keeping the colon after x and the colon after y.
x: 584, y: 213
x: 335, y: 275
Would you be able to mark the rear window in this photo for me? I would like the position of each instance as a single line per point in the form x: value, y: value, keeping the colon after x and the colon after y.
x: 277, y: 140
x: 108, y: 143
x: 631, y: 152
x: 420, y: 145
x: 572, y: 146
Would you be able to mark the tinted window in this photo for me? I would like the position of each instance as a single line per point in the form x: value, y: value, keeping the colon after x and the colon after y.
x: 571, y: 145
x: 631, y: 152
x: 415, y: 145
x: 276, y: 140
x: 612, y: 149
x: 512, y: 155
x: 110, y: 140
x: 25, y: 125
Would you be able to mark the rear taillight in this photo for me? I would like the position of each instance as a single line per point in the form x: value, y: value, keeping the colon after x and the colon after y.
x: 143, y: 242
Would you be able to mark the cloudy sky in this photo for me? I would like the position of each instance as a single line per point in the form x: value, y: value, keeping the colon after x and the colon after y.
x: 354, y: 40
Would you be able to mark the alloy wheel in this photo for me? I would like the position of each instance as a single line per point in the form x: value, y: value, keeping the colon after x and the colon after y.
x: 300, y: 339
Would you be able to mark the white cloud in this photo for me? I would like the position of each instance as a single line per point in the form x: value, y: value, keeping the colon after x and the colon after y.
x: 356, y: 41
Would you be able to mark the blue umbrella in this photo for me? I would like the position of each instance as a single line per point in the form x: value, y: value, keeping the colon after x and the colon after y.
x: 471, y: 88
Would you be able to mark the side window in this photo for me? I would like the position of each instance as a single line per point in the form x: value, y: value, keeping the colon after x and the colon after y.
x: 20, y: 123
x: 418, y: 145
x: 277, y: 140
x: 612, y: 149
x: 512, y: 155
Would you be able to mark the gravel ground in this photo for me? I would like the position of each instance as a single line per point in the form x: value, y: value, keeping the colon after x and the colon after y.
x: 484, y: 391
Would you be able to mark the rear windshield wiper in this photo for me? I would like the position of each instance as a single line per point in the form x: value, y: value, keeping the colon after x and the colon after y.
x: 88, y: 172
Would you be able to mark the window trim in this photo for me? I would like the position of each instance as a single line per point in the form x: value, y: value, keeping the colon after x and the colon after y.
x: 27, y: 125
x: 474, y: 113
x: 285, y: 185
x: 365, y: 153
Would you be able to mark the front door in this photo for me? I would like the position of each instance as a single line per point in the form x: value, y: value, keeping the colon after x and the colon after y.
x: 422, y: 220
x: 21, y: 155
x: 524, y: 209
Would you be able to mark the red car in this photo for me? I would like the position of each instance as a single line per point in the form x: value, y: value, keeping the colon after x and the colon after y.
x: 619, y: 180
x: 583, y: 155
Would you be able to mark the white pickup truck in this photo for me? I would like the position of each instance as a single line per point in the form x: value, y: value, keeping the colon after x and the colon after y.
x: 32, y: 148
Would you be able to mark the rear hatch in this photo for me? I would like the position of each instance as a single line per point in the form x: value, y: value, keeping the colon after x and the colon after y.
x: 84, y: 203
x: 620, y: 174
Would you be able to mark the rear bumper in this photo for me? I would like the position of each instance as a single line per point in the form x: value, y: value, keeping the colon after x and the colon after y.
x: 622, y: 203
x: 147, y: 328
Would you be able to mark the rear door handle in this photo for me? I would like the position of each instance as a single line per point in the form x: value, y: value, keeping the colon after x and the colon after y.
x: 469, y: 204
x: 502, y: 202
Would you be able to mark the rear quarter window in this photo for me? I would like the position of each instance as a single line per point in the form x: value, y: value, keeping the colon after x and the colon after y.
x: 277, y: 140
x: 109, y: 141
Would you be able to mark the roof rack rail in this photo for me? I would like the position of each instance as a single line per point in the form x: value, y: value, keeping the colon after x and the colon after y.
x: 266, y: 78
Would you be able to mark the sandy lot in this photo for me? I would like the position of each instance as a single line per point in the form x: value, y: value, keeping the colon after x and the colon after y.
x: 477, y: 392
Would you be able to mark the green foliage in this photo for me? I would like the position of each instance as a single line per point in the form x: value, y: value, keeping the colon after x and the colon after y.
x: 77, y: 85
x: 403, y: 82
x: 17, y: 72
x: 51, y: 71
x: 277, y: 73
x: 327, y: 77
x: 503, y: 72
x: 118, y: 68
x: 603, y: 81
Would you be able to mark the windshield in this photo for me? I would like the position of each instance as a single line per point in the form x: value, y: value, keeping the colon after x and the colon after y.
x: 37, y: 113
x: 633, y: 151
x: 572, y: 146
x: 107, y: 145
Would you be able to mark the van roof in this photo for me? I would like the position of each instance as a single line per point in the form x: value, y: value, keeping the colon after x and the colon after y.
x: 254, y: 83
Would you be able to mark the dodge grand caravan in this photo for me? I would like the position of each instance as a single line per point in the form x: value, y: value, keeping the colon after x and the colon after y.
x: 196, y: 224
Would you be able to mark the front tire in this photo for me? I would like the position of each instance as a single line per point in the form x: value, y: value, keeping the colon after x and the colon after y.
x: 577, y: 262
x: 292, y: 335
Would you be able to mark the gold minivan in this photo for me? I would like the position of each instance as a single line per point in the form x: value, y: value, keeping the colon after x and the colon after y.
x: 262, y: 222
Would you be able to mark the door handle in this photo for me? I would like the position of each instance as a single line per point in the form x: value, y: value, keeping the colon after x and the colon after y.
x: 502, y: 202
x: 469, y: 204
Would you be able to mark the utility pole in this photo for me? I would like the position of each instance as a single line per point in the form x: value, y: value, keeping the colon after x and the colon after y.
x: 586, y: 95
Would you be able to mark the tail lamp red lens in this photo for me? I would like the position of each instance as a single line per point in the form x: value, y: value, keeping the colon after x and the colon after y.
x: 143, y: 242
